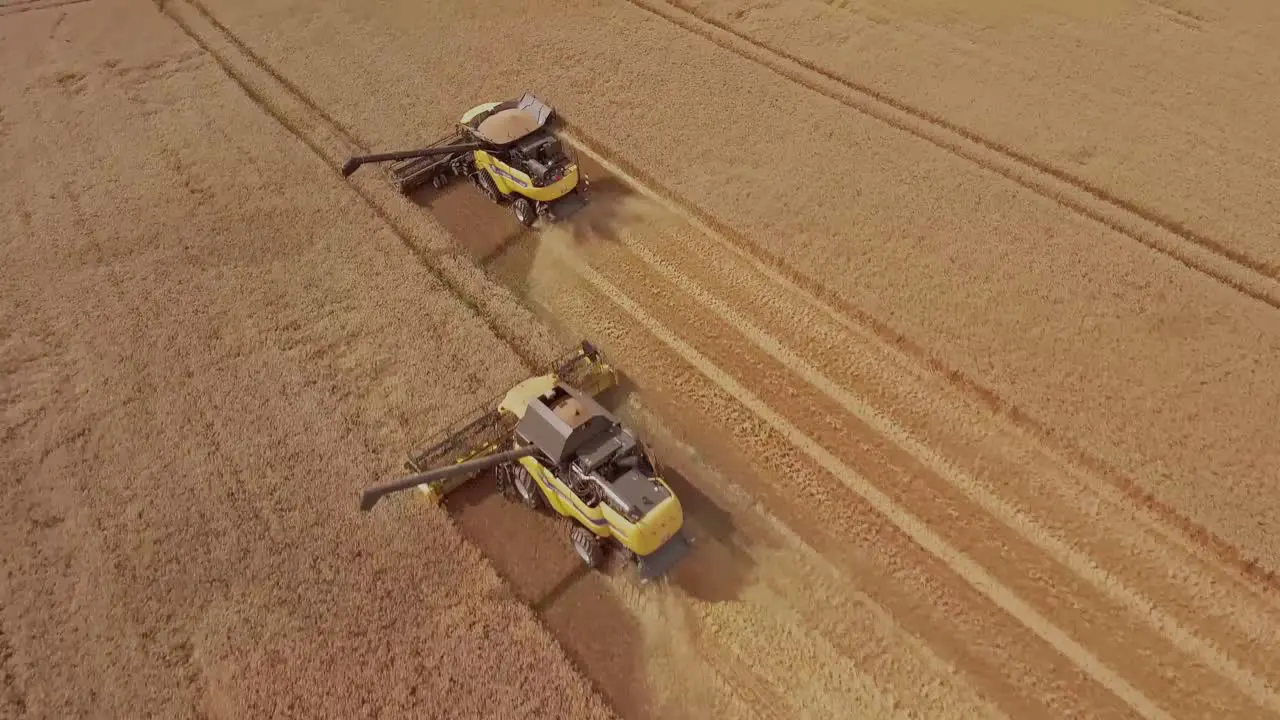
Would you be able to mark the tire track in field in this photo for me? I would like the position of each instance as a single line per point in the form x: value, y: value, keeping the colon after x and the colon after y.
x: 1013, y: 667
x: 858, y: 630
x: 959, y: 562
x: 327, y: 140
x: 826, y: 587
x: 15, y: 8
x: 1084, y: 467
x: 526, y: 338
x: 1209, y: 602
x: 331, y: 143
x: 1105, y: 614
x: 259, y: 63
x: 1072, y: 510
x: 1013, y: 518
x: 1171, y: 238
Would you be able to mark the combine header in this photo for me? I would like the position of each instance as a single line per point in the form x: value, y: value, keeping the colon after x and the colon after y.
x: 507, y: 149
x: 554, y: 446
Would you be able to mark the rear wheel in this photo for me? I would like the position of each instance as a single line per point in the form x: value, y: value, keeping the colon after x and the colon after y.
x: 587, y: 545
x: 525, y: 211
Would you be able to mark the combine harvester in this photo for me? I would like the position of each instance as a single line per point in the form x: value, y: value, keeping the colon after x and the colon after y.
x: 508, y: 150
x: 554, y: 446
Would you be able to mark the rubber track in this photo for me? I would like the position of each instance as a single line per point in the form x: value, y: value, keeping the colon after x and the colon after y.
x: 1166, y: 236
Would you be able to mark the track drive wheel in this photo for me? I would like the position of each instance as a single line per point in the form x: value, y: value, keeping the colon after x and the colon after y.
x: 587, y: 545
x: 505, y: 474
x: 521, y: 486
x: 485, y: 183
x: 525, y: 212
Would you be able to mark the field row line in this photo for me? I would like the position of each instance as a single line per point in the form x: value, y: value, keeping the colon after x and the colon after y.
x: 1080, y: 563
x: 1084, y: 466
x: 914, y: 528
x: 1168, y: 237
x: 23, y: 6
x: 330, y: 141
x: 830, y: 597
x: 516, y: 334
x: 1018, y: 521
x: 882, y: 503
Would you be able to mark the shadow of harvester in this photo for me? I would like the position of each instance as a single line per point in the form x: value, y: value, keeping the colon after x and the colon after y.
x: 489, y: 232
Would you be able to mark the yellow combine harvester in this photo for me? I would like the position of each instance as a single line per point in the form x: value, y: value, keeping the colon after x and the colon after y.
x: 554, y: 446
x: 507, y: 149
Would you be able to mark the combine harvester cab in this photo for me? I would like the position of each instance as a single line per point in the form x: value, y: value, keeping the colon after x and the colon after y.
x: 554, y: 447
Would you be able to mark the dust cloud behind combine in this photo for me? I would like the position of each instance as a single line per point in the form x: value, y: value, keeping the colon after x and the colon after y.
x: 952, y: 324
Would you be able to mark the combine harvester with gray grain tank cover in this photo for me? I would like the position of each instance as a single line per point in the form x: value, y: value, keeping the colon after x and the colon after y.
x: 507, y: 149
x: 553, y: 446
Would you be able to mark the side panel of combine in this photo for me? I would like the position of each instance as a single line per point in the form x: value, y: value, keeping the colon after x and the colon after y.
x: 563, y: 501
x: 546, y: 481
x: 509, y: 180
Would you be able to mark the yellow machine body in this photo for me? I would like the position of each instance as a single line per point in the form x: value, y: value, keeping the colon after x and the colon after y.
x: 511, y: 181
x: 642, y: 538
x: 650, y: 536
